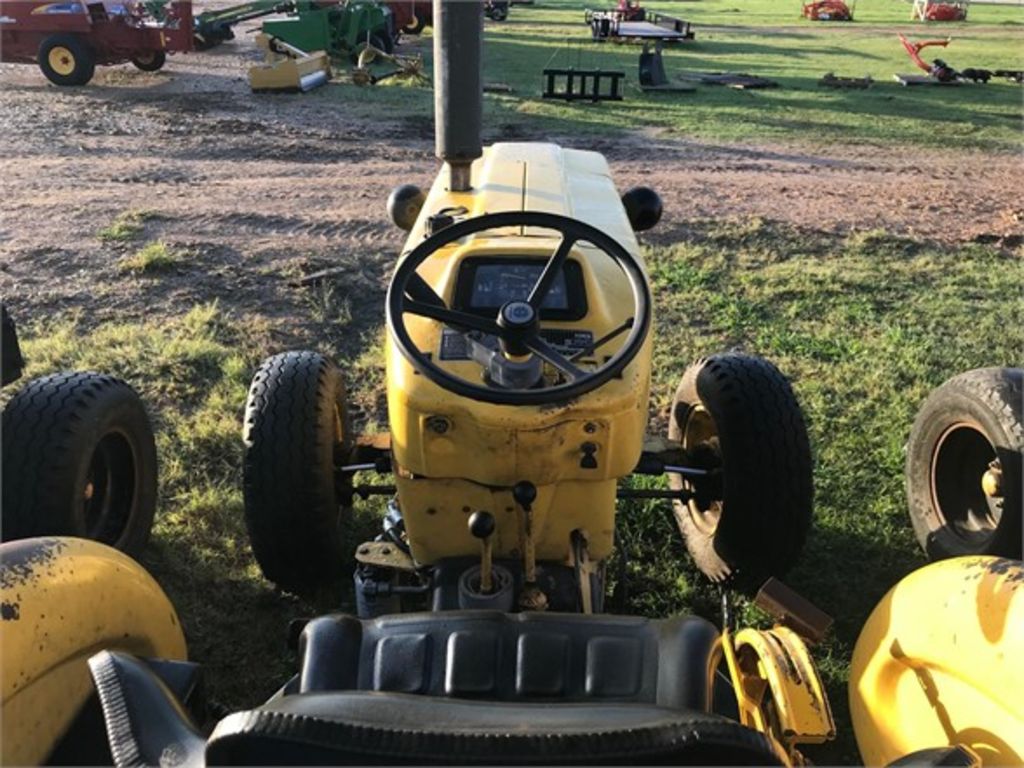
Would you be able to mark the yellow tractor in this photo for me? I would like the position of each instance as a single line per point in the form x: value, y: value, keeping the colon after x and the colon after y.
x: 519, y: 358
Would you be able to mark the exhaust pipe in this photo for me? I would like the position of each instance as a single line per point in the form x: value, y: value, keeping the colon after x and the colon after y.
x: 458, y: 87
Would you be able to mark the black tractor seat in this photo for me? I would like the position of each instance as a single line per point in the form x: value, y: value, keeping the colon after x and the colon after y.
x: 468, y: 687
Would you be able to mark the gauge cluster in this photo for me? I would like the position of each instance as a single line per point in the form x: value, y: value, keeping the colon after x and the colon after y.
x: 484, y: 284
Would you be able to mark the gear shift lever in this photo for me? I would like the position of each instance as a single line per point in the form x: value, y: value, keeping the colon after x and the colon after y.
x: 481, y: 526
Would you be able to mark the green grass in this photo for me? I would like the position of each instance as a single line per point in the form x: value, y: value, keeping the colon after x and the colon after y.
x: 864, y: 326
x: 150, y: 259
x: 761, y: 37
x: 126, y: 227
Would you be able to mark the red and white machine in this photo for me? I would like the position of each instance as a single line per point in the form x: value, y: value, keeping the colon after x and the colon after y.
x: 69, y: 39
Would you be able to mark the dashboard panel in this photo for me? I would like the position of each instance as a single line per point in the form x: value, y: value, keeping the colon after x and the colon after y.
x: 484, y: 284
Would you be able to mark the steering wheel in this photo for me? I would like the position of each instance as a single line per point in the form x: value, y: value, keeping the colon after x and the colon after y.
x: 517, y: 323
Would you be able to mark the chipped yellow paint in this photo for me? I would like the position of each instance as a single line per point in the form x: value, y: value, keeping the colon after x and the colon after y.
x: 938, y: 663
x: 779, y: 658
x: 63, y: 600
x: 446, y: 504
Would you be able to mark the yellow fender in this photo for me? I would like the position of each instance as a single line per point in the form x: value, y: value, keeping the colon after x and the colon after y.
x: 61, y: 601
x: 938, y: 663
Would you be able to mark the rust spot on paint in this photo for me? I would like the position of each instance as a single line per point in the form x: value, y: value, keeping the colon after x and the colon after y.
x: 10, y: 611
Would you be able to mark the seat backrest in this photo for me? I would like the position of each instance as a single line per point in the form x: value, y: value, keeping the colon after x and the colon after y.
x: 513, y: 657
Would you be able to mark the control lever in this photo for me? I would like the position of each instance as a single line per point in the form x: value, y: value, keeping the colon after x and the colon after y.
x: 524, y: 493
x: 481, y: 526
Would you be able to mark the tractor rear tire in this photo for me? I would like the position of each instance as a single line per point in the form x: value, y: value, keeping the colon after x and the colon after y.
x: 66, y: 60
x: 79, y: 459
x: 296, y: 432
x: 969, y: 430
x: 151, y: 62
x: 737, y: 416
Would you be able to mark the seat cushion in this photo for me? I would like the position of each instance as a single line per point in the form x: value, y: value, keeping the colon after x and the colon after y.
x: 391, y: 728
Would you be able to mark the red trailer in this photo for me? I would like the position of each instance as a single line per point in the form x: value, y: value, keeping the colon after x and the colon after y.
x: 68, y: 39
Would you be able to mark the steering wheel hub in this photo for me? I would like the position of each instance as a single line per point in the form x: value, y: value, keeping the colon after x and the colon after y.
x: 516, y: 314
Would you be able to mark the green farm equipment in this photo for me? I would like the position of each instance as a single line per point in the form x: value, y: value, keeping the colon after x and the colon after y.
x: 334, y: 26
x: 338, y: 30
x: 214, y: 27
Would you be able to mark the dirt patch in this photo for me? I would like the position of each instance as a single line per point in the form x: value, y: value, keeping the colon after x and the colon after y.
x: 259, y: 190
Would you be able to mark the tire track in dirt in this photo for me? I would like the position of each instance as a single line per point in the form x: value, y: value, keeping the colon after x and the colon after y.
x: 365, y: 231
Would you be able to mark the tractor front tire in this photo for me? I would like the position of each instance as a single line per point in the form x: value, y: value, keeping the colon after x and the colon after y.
x: 152, y: 61
x: 79, y: 459
x: 296, y: 431
x: 963, y: 468
x: 737, y: 417
x: 66, y: 60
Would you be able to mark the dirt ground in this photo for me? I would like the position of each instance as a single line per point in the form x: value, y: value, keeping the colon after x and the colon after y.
x: 258, y: 190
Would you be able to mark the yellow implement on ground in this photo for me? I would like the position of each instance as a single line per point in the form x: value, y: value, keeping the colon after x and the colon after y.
x: 287, y: 68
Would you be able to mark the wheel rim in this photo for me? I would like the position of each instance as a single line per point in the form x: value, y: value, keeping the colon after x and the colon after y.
x: 962, y: 456
x: 61, y: 60
x: 146, y: 58
x: 106, y: 501
x: 698, y: 431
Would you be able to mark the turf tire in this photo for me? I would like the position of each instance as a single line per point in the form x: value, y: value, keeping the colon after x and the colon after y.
x: 84, y: 60
x: 79, y: 459
x: 153, y: 63
x: 295, y: 432
x: 754, y: 432
x: 971, y: 419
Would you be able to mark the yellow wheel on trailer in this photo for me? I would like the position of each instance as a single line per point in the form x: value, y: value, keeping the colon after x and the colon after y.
x: 61, y: 60
x: 66, y: 60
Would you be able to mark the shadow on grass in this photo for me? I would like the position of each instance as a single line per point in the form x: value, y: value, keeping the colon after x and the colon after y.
x: 236, y: 623
x: 848, y: 595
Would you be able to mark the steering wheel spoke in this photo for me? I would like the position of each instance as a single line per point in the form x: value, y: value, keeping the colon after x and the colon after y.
x: 462, y: 321
x: 551, y: 270
x: 549, y: 354
x: 419, y: 289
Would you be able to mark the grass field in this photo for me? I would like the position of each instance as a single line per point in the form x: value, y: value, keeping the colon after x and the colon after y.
x: 759, y: 37
x: 865, y: 327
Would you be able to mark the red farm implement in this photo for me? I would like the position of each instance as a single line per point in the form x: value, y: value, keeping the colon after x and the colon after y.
x: 69, y: 39
x: 829, y: 10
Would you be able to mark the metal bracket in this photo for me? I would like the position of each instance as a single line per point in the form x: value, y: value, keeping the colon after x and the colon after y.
x: 383, y: 554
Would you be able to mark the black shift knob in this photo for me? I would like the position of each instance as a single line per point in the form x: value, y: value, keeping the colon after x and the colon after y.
x: 481, y: 524
x: 525, y: 493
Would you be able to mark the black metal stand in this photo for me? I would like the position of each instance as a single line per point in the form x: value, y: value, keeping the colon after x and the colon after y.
x: 583, y: 84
